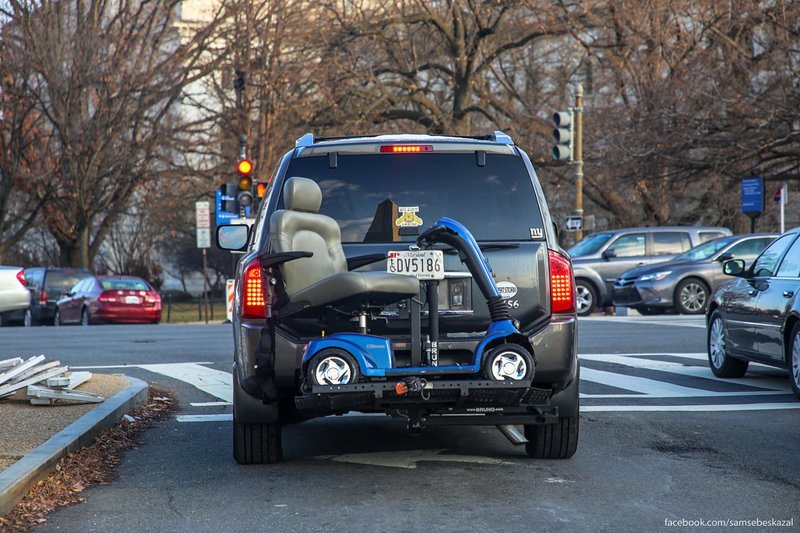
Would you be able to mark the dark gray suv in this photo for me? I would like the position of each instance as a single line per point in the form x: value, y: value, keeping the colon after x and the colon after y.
x: 382, y: 191
x: 601, y: 258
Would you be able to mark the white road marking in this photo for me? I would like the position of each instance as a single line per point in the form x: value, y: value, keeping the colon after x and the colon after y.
x: 408, y: 458
x: 210, y: 404
x: 690, y: 408
x: 137, y: 366
x: 770, y: 386
x: 214, y: 382
x: 685, y: 323
x: 205, y: 418
x: 643, y: 386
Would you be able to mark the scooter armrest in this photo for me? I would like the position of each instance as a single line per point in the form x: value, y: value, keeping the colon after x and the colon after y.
x: 270, y: 260
x: 363, y: 260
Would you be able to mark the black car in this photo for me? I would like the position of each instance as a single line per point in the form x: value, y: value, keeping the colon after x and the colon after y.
x: 381, y: 191
x: 47, y: 285
x: 756, y: 317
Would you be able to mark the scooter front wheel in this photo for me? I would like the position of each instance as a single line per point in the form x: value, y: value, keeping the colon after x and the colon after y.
x: 508, y: 362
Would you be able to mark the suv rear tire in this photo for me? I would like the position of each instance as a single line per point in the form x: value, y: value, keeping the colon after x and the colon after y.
x: 559, y: 440
x: 256, y: 444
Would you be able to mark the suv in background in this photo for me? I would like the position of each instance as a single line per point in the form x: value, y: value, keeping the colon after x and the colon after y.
x: 47, y: 286
x: 601, y: 258
x: 370, y: 186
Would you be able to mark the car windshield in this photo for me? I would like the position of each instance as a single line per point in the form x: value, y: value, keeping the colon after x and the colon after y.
x: 705, y: 250
x: 590, y: 244
x: 124, y: 284
x: 392, y: 198
x: 64, y: 279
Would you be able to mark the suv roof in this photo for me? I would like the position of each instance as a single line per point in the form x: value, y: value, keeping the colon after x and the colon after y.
x: 664, y: 228
x: 496, y: 143
x: 497, y: 137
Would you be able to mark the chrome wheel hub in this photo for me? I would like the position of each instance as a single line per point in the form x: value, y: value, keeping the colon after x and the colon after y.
x: 508, y: 365
x: 583, y: 298
x: 716, y: 344
x: 333, y: 370
x: 693, y: 297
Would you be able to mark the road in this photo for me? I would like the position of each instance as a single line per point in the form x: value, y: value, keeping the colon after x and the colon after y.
x: 661, y: 439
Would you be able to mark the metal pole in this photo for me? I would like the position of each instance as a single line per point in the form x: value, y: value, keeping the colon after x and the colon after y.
x: 579, y: 158
x: 784, y: 192
x: 205, y: 284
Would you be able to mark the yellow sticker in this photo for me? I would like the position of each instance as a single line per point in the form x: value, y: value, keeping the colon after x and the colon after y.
x: 408, y: 217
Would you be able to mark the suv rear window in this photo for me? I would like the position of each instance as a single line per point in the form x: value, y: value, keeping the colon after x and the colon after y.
x: 365, y: 192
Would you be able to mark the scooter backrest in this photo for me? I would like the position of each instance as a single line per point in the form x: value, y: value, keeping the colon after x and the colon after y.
x: 299, y: 228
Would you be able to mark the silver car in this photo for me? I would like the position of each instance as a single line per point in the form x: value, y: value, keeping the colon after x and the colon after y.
x: 686, y: 282
x: 600, y: 258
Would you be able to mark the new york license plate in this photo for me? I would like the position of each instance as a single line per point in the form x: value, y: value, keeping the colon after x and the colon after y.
x: 424, y: 264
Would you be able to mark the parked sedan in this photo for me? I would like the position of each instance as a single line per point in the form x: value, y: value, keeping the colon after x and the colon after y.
x: 757, y: 316
x: 686, y: 282
x: 13, y: 294
x: 99, y: 299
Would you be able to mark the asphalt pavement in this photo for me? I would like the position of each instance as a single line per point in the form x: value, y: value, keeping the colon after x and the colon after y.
x: 661, y: 441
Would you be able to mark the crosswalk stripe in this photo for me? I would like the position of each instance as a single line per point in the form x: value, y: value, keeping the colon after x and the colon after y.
x: 214, y: 382
x: 691, y: 408
x: 644, y: 386
x: 691, y: 371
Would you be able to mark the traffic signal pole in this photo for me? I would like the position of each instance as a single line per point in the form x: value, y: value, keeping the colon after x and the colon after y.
x: 579, y: 158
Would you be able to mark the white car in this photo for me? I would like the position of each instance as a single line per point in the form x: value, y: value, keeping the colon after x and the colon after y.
x: 14, y: 294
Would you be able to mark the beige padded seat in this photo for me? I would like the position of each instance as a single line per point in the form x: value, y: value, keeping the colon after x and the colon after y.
x: 323, y: 279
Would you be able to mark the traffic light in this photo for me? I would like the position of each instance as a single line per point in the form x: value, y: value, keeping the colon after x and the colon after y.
x: 563, y: 134
x: 261, y: 191
x: 245, y: 196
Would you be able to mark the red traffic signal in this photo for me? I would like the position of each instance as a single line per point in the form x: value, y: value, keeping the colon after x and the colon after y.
x: 261, y: 189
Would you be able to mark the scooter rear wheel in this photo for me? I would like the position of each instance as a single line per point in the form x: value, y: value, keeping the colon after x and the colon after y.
x: 333, y: 367
x: 508, y: 362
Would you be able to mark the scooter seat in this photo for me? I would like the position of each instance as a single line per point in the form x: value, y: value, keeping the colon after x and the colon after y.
x: 376, y: 289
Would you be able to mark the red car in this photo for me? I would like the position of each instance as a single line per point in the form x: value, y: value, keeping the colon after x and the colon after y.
x: 98, y: 299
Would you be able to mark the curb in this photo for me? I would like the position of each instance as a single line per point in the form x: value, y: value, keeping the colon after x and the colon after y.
x: 16, y: 480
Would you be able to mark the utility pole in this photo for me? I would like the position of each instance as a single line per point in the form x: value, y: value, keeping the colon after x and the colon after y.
x: 579, y: 158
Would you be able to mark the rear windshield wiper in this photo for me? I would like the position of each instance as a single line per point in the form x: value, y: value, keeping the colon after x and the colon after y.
x: 488, y: 246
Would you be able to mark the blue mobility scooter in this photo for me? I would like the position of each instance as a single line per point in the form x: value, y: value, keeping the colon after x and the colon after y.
x: 345, y: 368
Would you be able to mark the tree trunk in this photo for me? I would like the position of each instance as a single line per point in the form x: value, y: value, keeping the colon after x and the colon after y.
x: 75, y: 253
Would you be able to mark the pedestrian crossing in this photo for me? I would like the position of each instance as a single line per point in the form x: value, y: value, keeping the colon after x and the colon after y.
x: 611, y: 382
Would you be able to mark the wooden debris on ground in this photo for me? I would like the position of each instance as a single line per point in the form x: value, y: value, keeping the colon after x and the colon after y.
x: 46, y: 382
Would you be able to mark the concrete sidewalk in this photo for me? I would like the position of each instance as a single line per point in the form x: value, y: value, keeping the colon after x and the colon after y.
x: 19, y: 477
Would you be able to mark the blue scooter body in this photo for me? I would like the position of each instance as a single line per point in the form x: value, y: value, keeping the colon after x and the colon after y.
x: 374, y: 354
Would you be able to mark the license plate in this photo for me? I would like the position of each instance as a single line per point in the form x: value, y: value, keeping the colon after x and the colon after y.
x: 131, y: 299
x: 423, y: 264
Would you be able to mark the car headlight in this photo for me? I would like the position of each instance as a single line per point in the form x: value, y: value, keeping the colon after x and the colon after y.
x: 658, y: 276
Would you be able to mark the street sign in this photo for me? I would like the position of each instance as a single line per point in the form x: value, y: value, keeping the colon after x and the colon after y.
x: 220, y: 215
x: 573, y: 223
x: 203, y: 237
x: 203, y: 214
x: 781, y: 195
x: 753, y: 196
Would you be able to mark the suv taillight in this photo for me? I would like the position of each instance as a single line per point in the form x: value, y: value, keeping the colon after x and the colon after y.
x: 562, y: 284
x: 43, y: 297
x: 253, y: 302
x: 21, y: 277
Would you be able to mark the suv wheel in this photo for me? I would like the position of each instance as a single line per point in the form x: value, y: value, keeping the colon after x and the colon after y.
x: 585, y: 297
x: 722, y: 365
x: 255, y: 444
x: 691, y: 297
x: 794, y: 360
x: 559, y: 440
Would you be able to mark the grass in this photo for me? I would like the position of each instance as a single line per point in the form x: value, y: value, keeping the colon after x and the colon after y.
x: 176, y: 312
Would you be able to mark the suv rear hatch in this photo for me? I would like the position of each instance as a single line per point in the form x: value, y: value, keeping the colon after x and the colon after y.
x: 382, y: 199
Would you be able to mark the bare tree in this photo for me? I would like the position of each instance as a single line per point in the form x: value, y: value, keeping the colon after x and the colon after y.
x: 108, y: 77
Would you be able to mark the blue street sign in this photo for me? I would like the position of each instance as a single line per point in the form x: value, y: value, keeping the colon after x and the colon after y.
x: 222, y: 217
x: 753, y: 195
